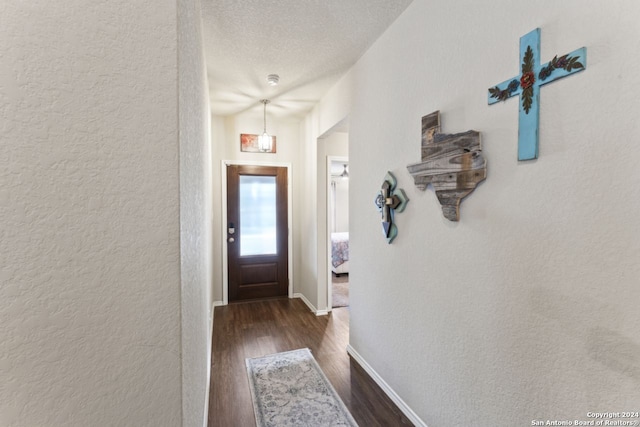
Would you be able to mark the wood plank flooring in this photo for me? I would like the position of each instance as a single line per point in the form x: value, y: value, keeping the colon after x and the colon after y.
x: 254, y: 329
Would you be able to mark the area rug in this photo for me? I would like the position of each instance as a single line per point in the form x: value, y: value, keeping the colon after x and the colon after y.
x: 340, y: 291
x: 290, y: 389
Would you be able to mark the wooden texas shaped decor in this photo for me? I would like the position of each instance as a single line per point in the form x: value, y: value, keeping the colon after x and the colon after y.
x: 452, y: 163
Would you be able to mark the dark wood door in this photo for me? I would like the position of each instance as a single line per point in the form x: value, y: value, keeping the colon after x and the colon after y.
x: 257, y: 232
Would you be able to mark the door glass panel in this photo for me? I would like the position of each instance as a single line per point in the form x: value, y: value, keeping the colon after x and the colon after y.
x: 257, y: 215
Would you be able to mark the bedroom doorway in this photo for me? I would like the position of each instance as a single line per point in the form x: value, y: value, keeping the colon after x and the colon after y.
x: 338, y: 231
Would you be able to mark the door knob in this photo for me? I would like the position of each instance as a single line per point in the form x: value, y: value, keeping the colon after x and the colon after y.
x: 231, y: 240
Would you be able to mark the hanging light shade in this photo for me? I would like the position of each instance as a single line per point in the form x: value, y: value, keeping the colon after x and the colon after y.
x: 344, y: 174
x: 264, y: 141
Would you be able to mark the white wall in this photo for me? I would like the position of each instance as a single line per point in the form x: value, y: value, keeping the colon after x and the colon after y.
x: 89, y: 214
x: 526, y: 309
x: 329, y: 116
x: 306, y: 222
x: 195, y: 215
x: 217, y: 148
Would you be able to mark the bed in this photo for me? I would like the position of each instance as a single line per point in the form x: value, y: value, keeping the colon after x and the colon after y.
x: 340, y: 253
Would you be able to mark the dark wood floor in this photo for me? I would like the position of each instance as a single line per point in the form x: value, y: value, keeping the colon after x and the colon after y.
x: 255, y: 329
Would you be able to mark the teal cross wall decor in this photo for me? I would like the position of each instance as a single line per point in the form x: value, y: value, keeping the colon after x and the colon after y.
x: 389, y: 201
x: 528, y: 83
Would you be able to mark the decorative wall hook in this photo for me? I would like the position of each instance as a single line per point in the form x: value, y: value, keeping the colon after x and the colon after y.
x: 452, y: 163
x: 389, y: 201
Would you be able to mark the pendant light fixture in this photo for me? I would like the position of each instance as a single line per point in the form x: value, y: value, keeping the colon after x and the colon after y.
x: 264, y: 141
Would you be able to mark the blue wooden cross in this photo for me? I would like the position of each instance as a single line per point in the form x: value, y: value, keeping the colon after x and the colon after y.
x: 527, y: 85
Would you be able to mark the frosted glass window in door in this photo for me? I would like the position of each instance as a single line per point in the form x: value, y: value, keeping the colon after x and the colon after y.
x: 257, y: 215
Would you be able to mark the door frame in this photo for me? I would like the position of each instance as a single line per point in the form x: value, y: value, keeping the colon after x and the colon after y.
x: 223, y: 230
x: 330, y: 159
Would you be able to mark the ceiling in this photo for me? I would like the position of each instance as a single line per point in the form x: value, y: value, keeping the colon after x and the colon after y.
x: 310, y: 44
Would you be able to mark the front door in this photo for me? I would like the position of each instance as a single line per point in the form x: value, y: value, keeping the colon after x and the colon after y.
x: 257, y: 232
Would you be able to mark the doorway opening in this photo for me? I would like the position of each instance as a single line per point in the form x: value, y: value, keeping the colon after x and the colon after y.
x: 332, y: 146
x: 338, y: 231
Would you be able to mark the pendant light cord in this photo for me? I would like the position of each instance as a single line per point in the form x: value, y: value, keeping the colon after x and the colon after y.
x: 265, y: 102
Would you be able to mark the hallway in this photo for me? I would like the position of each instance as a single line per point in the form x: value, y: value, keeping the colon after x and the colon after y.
x: 255, y: 329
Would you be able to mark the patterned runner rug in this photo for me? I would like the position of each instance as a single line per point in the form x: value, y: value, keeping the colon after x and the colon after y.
x: 290, y: 389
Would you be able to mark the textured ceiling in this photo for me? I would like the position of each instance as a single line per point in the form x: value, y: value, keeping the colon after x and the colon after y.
x: 309, y: 43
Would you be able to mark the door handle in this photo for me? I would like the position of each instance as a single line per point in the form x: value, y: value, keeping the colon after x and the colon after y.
x: 231, y: 240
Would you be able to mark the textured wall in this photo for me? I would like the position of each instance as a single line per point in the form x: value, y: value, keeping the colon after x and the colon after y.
x: 217, y: 147
x: 195, y: 214
x: 330, y: 116
x: 306, y: 218
x: 528, y: 307
x: 89, y: 214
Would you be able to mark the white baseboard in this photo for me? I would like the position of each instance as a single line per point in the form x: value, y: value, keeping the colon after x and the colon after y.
x: 311, y: 306
x: 218, y: 304
x: 386, y: 388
